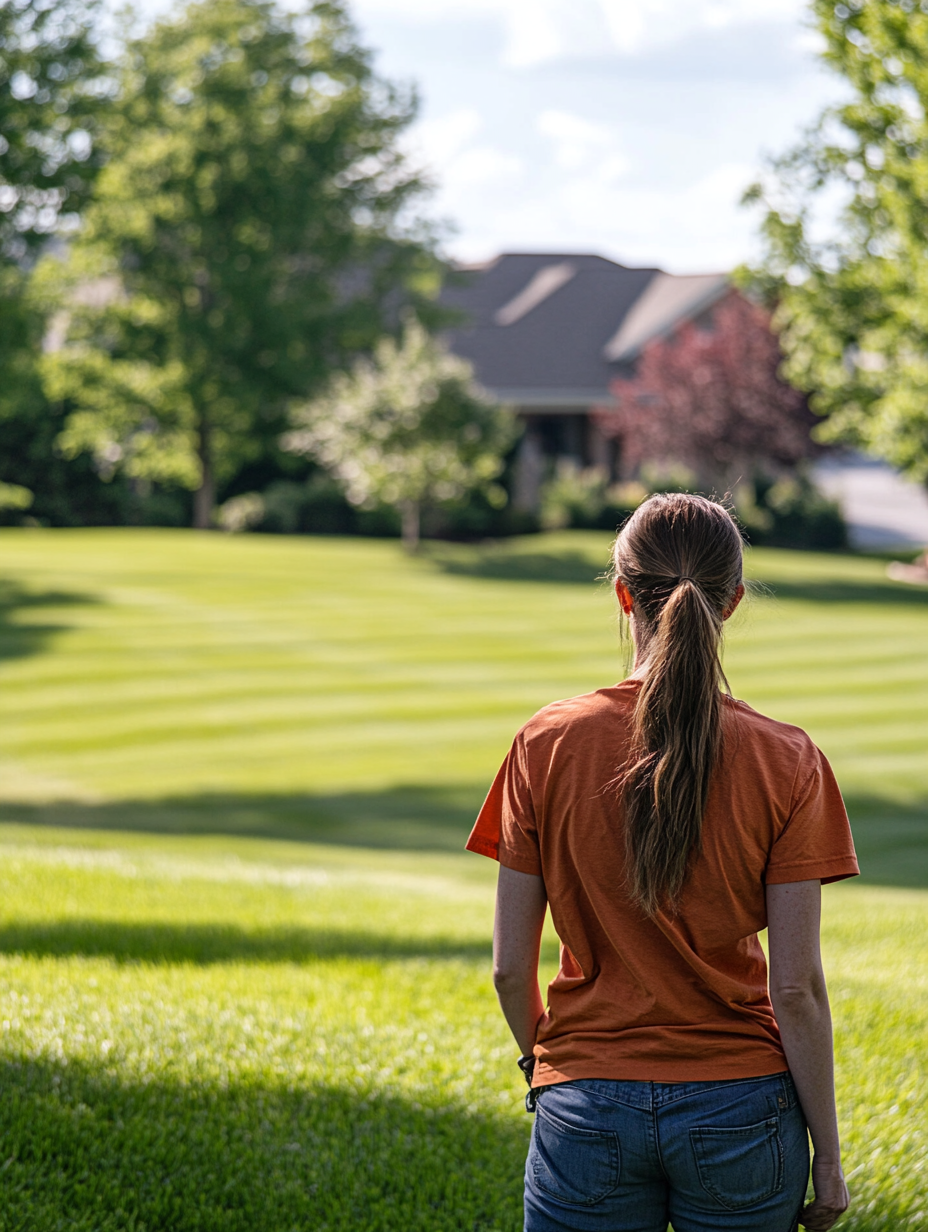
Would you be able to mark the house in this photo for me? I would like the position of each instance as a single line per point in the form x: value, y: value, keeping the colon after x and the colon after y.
x: 548, y: 333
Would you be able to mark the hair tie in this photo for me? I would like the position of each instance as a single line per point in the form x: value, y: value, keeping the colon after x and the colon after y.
x: 685, y: 577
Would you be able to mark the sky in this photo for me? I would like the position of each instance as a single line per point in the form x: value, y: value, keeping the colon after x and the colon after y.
x: 629, y: 128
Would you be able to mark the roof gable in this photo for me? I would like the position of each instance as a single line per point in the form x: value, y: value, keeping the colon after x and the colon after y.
x: 666, y: 301
x: 555, y: 329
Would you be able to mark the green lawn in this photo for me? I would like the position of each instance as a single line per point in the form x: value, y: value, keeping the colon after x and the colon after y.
x: 244, y: 966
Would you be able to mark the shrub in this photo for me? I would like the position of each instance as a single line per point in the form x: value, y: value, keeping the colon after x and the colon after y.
x: 573, y: 496
x: 791, y: 512
x: 316, y: 507
x: 241, y: 512
x: 581, y: 498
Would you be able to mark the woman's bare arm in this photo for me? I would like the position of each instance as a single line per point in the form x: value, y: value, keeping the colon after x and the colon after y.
x: 520, y: 916
x: 800, y: 1002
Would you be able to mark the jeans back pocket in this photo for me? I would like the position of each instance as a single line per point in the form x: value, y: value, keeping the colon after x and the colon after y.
x: 739, y: 1166
x: 577, y: 1166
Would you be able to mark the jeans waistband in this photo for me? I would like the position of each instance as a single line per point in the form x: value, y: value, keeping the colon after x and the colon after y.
x: 649, y: 1096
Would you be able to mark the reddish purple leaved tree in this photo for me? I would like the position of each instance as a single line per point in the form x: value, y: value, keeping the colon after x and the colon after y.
x: 709, y: 397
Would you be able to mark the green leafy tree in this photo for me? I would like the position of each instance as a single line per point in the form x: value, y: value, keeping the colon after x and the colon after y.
x: 245, y: 238
x: 852, y: 279
x: 52, y: 90
x: 408, y: 428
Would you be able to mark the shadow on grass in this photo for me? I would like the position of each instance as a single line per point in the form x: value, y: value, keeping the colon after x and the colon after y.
x: 892, y: 838
x: 412, y: 818
x: 204, y: 944
x: 18, y: 640
x: 576, y: 567
x: 891, y: 841
x: 90, y: 1153
x: 518, y: 566
x: 835, y: 591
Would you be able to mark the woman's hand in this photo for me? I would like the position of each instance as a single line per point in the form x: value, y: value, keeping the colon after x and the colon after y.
x: 831, y: 1197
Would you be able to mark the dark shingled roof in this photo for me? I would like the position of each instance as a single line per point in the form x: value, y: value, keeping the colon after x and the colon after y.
x: 538, y: 326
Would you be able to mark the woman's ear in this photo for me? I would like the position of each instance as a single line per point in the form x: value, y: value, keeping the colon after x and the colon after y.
x: 624, y: 596
x: 739, y: 595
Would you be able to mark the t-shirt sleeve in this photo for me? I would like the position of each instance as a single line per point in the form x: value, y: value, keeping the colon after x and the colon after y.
x: 816, y: 842
x: 505, y: 828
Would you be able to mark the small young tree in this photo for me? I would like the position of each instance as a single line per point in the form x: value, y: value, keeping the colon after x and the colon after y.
x: 710, y: 398
x: 408, y: 428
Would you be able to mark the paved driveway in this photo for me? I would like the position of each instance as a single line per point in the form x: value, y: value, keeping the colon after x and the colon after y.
x: 882, y: 510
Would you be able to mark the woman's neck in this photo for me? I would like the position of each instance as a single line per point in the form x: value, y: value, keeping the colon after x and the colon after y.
x: 641, y: 646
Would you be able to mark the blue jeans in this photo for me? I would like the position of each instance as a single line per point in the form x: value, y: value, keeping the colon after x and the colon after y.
x: 632, y: 1156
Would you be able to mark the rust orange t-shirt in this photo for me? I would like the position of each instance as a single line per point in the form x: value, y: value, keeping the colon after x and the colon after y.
x: 677, y: 998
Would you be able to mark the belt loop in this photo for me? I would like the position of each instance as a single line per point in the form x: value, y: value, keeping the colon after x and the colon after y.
x: 786, y: 1098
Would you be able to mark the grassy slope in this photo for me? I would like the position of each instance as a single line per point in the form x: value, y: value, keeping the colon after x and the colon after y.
x: 222, y: 1033
x: 333, y: 688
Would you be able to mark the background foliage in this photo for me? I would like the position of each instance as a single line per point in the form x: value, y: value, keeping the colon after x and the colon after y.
x: 54, y: 90
x: 245, y: 237
x: 852, y: 305
x: 240, y: 223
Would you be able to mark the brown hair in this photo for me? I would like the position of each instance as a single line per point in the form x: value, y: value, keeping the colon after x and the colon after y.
x: 680, y: 558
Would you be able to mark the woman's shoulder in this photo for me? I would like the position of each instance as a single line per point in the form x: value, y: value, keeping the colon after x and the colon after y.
x: 574, y: 713
x: 769, y: 734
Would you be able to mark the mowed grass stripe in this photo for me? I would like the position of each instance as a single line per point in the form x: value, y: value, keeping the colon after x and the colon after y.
x: 412, y: 667
x: 199, y: 650
x: 234, y: 713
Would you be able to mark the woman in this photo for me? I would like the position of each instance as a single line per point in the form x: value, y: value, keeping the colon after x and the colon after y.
x: 666, y: 824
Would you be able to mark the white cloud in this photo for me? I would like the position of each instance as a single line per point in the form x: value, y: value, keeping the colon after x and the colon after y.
x: 446, y: 146
x: 534, y: 33
x: 540, y: 31
x: 578, y: 141
x: 470, y: 173
x: 481, y: 166
x: 695, y: 228
x: 439, y: 140
x: 660, y: 225
x: 810, y: 42
x: 579, y: 193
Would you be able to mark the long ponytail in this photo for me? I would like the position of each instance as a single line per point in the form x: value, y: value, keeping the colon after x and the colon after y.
x: 680, y: 558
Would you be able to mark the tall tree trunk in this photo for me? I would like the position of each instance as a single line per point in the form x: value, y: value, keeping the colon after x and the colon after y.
x: 409, y: 520
x: 205, y: 496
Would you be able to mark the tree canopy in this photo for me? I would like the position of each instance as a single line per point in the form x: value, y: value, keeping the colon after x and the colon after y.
x: 249, y: 232
x: 407, y: 428
x: 52, y: 88
x: 852, y: 278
